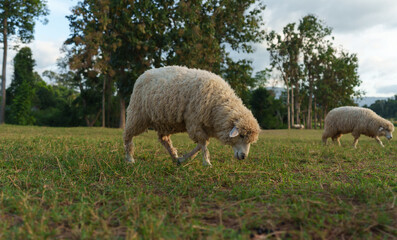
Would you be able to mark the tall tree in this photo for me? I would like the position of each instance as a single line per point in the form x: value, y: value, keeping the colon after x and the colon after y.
x: 21, y: 89
x: 92, y: 42
x: 284, y: 52
x: 17, y: 18
x: 23, y: 70
x: 312, y: 33
x: 339, y: 79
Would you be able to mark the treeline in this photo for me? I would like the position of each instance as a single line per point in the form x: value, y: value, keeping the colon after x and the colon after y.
x: 385, y: 108
x: 112, y: 42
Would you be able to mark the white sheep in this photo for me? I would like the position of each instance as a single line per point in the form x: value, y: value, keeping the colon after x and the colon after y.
x: 178, y: 99
x: 298, y: 126
x: 356, y: 120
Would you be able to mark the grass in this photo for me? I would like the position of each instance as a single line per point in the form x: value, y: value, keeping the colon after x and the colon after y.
x: 72, y: 183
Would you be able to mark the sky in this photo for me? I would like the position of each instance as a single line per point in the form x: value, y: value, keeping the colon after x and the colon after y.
x: 367, y: 28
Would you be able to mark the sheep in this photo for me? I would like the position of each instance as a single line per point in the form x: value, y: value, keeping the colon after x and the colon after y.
x: 298, y: 126
x: 177, y: 99
x: 356, y: 120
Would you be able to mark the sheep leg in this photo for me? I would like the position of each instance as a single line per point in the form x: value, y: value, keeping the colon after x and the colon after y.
x: 192, y: 154
x: 206, y: 154
x: 130, y: 131
x: 324, y: 140
x: 379, y: 141
x: 167, y: 143
x: 336, y: 138
x: 355, y: 141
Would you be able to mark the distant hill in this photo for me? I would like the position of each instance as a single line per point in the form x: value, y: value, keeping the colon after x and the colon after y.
x: 369, y: 100
x: 277, y: 91
x: 364, y: 101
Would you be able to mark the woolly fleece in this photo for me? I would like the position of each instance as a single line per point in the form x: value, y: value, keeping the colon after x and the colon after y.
x: 355, y: 120
x: 178, y: 99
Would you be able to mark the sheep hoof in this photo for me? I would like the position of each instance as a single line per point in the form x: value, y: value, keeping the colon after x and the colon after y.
x: 179, y: 161
x: 207, y: 164
x: 129, y: 159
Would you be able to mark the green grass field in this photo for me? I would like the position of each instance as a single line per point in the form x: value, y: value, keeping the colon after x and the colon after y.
x: 73, y: 183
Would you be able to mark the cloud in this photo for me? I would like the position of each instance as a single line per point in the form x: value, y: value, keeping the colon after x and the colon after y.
x: 392, y: 89
x: 45, y: 54
x: 341, y: 15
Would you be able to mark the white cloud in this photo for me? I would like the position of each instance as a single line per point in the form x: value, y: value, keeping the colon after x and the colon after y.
x: 342, y: 15
x: 45, y: 54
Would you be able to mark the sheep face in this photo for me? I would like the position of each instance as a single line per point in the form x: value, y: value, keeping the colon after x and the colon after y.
x: 385, y: 132
x: 240, y: 144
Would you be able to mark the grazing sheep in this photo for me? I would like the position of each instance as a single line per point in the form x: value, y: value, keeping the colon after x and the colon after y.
x: 178, y: 99
x: 298, y: 126
x: 356, y: 120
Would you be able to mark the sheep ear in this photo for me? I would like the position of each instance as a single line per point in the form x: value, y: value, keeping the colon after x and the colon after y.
x: 380, y: 129
x: 234, y: 132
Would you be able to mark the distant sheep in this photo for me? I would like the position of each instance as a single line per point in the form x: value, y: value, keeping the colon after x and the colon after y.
x: 178, y: 99
x: 298, y: 126
x: 356, y: 120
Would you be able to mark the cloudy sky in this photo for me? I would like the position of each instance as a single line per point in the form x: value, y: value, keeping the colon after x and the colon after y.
x: 365, y: 27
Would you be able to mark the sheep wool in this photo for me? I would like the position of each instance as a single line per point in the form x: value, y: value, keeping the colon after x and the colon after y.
x: 355, y: 120
x: 177, y: 99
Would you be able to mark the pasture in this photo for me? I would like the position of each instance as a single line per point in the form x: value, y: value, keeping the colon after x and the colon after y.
x: 73, y: 183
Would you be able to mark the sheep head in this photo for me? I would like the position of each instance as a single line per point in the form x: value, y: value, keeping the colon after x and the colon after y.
x: 241, y: 139
x: 386, y: 131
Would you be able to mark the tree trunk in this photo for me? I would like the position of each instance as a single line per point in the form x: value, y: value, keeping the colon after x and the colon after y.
x: 109, y: 104
x: 315, y: 112
x: 122, y: 113
x: 288, y: 109
x: 292, y: 106
x: 91, y: 123
x: 297, y: 104
x: 309, y: 107
x: 3, y: 81
x: 104, y: 102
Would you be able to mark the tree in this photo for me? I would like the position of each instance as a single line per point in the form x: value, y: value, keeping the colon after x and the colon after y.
x: 339, y: 78
x: 283, y: 57
x: 266, y: 109
x: 312, y: 33
x: 202, y: 31
x: 17, y: 19
x: 21, y: 90
x: 23, y: 70
x: 115, y: 40
x: 312, y: 68
x: 92, y: 41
